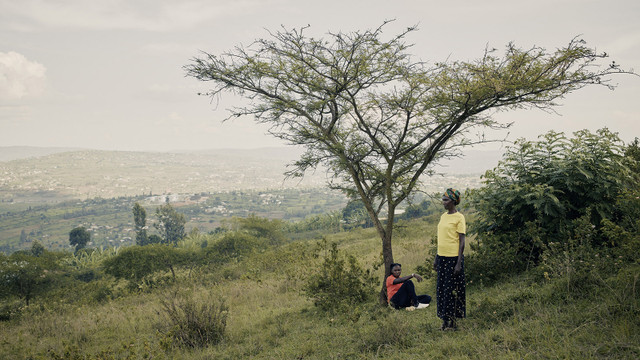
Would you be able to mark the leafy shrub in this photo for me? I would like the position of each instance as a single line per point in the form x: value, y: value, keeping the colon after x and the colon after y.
x: 538, y: 191
x: 340, y: 282
x: 269, y: 230
x: 89, y: 259
x: 321, y: 223
x: 26, y: 276
x: 136, y: 262
x: 10, y: 310
x: 193, y: 323
x: 234, y: 244
x: 576, y: 262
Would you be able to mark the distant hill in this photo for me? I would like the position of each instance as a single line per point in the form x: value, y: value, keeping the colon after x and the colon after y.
x: 50, y: 174
x: 8, y: 153
x: 94, y: 173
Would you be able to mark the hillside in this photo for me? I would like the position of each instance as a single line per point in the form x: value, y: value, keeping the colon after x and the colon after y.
x: 265, y: 314
x: 86, y: 174
x: 105, y: 174
x: 42, y: 197
x: 8, y: 153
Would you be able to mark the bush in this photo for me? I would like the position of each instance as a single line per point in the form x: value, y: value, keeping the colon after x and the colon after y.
x: 537, y: 193
x: 27, y: 276
x: 192, y: 323
x: 134, y: 263
x: 234, y: 244
x: 340, y: 282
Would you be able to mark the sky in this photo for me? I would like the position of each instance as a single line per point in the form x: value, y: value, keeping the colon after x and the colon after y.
x: 109, y: 74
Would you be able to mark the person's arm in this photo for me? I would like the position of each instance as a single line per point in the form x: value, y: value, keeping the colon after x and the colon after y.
x: 458, y: 266
x: 405, y: 278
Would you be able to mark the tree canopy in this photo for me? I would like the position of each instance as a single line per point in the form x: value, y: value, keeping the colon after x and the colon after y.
x: 378, y: 119
x: 170, y: 224
x: 79, y: 237
x: 140, y: 221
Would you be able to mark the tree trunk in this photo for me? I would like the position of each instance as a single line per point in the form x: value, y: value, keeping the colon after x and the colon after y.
x: 387, y: 256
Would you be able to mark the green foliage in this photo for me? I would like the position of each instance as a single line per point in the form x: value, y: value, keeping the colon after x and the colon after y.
x: 234, y: 244
x: 140, y: 221
x: 268, y: 230
x: 25, y: 275
x: 425, y: 208
x: 632, y: 152
x: 339, y: 284
x: 90, y: 258
x: 327, y: 223
x: 154, y: 239
x: 134, y: 263
x: 270, y: 317
x: 170, y: 224
x: 577, y: 264
x: 355, y: 214
x: 539, y: 191
x: 193, y: 323
x: 37, y: 249
x: 79, y: 237
x: 113, y: 217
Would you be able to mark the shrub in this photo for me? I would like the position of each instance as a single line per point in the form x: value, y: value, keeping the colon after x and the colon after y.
x: 268, y: 230
x: 26, y: 276
x: 234, y: 244
x: 538, y: 191
x: 340, y: 282
x: 136, y: 262
x: 193, y: 323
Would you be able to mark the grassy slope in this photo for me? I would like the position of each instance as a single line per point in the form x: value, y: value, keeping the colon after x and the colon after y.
x: 525, y: 317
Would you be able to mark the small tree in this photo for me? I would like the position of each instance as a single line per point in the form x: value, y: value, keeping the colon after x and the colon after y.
x: 170, y: 223
x: 135, y: 263
x: 25, y: 275
x: 140, y: 221
x: 378, y: 119
x: 79, y: 237
x: 340, y: 282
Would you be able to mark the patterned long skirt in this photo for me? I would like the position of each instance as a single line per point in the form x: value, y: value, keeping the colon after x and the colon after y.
x: 450, y: 289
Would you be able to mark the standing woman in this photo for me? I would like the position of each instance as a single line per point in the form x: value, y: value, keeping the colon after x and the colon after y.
x: 449, y: 262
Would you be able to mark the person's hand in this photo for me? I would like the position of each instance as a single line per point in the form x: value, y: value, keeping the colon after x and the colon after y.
x: 458, y: 268
x: 417, y: 277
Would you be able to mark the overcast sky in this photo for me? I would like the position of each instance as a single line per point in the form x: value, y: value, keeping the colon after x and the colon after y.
x: 108, y: 74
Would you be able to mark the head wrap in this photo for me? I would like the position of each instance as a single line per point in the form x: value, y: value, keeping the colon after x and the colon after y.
x: 453, y: 194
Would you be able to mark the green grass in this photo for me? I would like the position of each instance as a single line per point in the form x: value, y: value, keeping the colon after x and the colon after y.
x: 523, y: 317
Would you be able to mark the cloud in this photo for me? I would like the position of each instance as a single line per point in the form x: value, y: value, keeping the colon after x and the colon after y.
x: 20, y: 77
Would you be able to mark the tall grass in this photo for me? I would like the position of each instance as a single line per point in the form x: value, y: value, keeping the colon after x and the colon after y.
x: 526, y: 316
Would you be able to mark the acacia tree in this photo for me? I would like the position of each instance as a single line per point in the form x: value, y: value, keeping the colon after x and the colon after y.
x: 378, y: 119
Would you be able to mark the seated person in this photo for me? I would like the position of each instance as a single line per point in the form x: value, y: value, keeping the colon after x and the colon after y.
x: 401, y: 292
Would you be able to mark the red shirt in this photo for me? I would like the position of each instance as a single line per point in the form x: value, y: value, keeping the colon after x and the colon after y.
x: 392, y: 288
